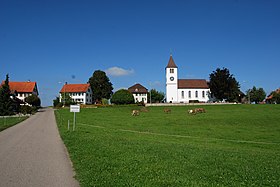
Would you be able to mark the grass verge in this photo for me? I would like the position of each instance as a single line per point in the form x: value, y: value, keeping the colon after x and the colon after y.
x: 6, y: 122
x: 230, y: 145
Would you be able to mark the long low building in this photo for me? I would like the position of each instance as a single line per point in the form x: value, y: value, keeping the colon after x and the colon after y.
x: 80, y: 93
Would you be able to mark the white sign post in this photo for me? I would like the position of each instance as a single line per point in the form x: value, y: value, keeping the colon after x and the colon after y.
x: 74, y: 108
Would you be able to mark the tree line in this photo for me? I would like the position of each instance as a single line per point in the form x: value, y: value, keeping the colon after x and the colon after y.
x: 223, y: 87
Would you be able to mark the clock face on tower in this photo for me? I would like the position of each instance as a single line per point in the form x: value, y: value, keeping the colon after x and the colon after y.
x: 172, y: 78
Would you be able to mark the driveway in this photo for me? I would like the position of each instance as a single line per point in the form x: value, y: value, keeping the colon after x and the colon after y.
x: 33, y: 154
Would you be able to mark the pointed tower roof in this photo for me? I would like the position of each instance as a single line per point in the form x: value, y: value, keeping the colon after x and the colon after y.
x: 171, y: 63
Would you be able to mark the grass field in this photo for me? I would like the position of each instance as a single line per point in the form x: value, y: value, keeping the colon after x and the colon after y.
x: 9, y: 121
x: 229, y: 145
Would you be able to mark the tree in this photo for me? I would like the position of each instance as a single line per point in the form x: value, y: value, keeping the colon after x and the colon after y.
x: 121, y: 97
x: 67, y: 99
x: 223, y: 85
x: 33, y: 100
x: 6, y: 103
x: 276, y: 97
x: 101, y: 86
x: 256, y: 94
x: 156, y: 96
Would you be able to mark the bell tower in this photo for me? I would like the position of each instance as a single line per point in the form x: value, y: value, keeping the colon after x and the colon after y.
x: 171, y: 73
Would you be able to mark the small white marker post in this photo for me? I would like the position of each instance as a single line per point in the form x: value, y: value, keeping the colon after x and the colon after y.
x: 74, y: 108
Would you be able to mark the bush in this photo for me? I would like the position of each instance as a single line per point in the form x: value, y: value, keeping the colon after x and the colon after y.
x: 25, y: 109
x: 122, y: 97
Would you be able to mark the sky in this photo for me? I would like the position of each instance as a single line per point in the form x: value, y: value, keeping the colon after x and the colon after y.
x: 57, y: 41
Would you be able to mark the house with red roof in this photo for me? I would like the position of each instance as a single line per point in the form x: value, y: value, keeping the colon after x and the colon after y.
x: 139, y: 92
x: 184, y: 90
x: 23, y: 89
x: 270, y: 98
x: 80, y: 93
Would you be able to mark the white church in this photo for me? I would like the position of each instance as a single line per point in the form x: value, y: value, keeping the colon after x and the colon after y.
x: 184, y: 90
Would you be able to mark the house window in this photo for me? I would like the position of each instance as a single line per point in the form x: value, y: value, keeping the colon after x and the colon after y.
x: 203, y: 94
x: 183, y: 94
x: 196, y: 94
x: 190, y: 94
x: 171, y: 70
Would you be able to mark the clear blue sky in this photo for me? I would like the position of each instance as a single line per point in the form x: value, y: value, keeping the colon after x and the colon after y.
x: 55, y: 41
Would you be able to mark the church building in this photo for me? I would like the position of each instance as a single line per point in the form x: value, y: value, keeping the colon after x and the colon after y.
x: 184, y: 90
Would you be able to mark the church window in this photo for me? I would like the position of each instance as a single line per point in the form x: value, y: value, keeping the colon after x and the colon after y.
x: 171, y: 70
x: 190, y: 94
x: 203, y: 94
x: 196, y: 93
x: 183, y: 94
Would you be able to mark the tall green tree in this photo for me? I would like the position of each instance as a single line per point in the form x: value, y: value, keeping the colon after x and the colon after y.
x: 223, y: 85
x: 156, y: 96
x: 122, y: 97
x: 101, y: 86
x: 256, y: 95
x: 6, y: 103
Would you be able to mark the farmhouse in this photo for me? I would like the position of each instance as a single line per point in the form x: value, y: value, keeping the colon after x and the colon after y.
x: 139, y: 92
x: 270, y: 98
x: 23, y: 89
x: 184, y: 90
x: 80, y: 93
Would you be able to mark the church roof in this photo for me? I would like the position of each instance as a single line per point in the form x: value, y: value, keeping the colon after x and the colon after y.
x: 192, y: 83
x: 137, y: 88
x: 171, y: 63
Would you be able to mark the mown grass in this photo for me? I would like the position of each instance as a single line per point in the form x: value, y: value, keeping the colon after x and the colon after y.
x: 229, y: 145
x: 6, y: 122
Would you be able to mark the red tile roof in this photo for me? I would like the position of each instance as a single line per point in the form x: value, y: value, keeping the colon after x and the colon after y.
x: 22, y: 87
x: 171, y: 63
x: 192, y: 83
x: 137, y: 88
x: 71, y: 88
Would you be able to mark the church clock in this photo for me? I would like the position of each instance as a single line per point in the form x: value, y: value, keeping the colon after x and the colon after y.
x: 172, y: 78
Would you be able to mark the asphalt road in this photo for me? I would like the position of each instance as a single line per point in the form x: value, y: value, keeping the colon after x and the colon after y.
x: 33, y: 154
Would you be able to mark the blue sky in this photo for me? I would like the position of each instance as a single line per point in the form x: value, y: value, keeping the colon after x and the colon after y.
x: 56, y: 41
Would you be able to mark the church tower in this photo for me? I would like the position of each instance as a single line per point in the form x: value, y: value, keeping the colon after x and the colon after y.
x: 171, y: 73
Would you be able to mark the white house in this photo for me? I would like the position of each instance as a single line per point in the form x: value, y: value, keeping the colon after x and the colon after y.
x: 139, y: 92
x: 80, y: 93
x: 184, y: 90
x: 23, y: 89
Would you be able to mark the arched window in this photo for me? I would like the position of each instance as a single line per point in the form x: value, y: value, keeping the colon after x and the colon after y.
x: 183, y: 94
x: 203, y: 94
x: 190, y: 94
x: 196, y: 94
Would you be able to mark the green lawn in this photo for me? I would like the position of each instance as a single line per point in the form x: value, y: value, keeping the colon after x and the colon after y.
x: 229, y: 145
x: 9, y: 121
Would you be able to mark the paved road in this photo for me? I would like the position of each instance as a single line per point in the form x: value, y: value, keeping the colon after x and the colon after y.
x: 32, y: 154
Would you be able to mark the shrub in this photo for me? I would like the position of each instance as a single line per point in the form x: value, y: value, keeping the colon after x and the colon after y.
x: 25, y: 109
x: 122, y: 97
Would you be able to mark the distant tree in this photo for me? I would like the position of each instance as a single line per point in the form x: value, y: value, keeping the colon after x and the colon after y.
x: 56, y: 102
x: 223, y: 85
x: 6, y: 103
x: 121, y: 97
x: 67, y: 99
x: 256, y: 95
x: 156, y: 96
x: 101, y: 86
x: 33, y: 100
